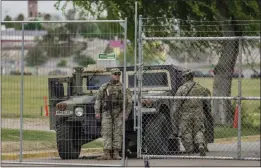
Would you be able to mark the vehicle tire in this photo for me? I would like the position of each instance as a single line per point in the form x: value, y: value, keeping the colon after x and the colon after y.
x: 156, y: 135
x: 66, y: 138
x: 130, y: 146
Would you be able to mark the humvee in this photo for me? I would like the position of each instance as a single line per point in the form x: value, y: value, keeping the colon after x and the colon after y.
x: 71, y: 104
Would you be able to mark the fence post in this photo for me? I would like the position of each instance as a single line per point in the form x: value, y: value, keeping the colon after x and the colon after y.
x: 135, y: 67
x: 239, y: 100
x: 124, y: 93
x: 22, y: 96
x: 139, y: 89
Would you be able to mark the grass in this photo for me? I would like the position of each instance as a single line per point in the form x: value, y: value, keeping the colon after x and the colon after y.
x: 244, y: 66
x: 227, y: 131
x: 47, y: 136
x: 28, y: 135
x: 36, y: 87
x: 250, y: 87
x: 34, y: 141
x: 45, y: 140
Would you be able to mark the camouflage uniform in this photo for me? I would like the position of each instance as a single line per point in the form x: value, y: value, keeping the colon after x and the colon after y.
x: 188, y: 115
x: 109, y: 104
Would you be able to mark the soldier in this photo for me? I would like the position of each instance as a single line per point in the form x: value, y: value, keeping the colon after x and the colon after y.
x: 108, y: 107
x: 208, y: 123
x: 188, y: 115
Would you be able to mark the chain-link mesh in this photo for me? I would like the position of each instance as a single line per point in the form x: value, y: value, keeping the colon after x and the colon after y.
x: 210, y: 116
x: 53, y: 99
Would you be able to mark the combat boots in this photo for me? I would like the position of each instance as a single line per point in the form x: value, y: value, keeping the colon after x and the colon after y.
x: 116, y: 155
x: 106, y: 155
x: 202, y: 151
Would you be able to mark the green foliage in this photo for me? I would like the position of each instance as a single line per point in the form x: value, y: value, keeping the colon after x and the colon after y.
x: 247, y: 118
x: 35, y: 56
x: 47, y: 16
x: 153, y: 53
x: 8, y: 25
x: 227, y: 131
x: 194, y: 18
x: 33, y: 26
x: 129, y: 55
x: 20, y: 17
x: 83, y: 60
x: 62, y: 63
x: 18, y: 26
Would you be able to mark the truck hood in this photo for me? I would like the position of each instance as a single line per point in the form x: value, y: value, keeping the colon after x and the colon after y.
x: 153, y: 93
x: 80, y: 99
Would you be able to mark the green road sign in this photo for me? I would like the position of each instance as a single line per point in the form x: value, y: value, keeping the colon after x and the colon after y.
x: 104, y: 56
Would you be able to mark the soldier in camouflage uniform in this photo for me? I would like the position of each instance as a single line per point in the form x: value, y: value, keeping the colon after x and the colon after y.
x: 188, y: 115
x: 108, y: 107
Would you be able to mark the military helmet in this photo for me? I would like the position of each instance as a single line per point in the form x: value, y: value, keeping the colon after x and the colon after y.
x: 187, y: 72
x: 115, y: 71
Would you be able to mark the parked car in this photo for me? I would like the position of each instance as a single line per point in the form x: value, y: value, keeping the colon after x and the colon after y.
x: 202, y: 74
x: 19, y: 73
x: 236, y: 75
x: 256, y: 75
x: 57, y: 72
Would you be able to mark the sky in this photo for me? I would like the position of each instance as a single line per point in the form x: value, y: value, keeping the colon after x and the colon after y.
x: 13, y: 8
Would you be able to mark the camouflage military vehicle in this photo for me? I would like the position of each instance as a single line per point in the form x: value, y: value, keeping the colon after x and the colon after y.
x: 71, y: 104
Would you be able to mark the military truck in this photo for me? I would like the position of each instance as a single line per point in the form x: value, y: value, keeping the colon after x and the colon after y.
x: 71, y: 104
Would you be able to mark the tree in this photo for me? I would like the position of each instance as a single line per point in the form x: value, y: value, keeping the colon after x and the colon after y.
x: 83, y: 60
x: 62, y: 63
x: 224, y: 16
x: 20, y: 17
x: 35, y: 57
x: 47, y: 16
x: 8, y: 25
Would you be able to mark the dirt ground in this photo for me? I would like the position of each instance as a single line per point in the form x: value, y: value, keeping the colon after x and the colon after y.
x: 38, y: 124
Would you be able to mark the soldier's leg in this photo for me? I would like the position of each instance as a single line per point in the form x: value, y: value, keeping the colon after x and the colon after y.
x: 186, y: 135
x: 117, y: 135
x: 106, y: 133
x: 199, y: 137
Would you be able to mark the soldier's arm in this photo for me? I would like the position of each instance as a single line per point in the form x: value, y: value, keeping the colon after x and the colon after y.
x: 129, y: 102
x: 97, y: 106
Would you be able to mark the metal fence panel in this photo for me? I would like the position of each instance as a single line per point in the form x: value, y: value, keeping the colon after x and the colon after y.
x: 35, y: 57
x: 227, y: 66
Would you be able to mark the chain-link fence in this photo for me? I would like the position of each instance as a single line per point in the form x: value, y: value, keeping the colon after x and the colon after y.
x: 218, y: 114
x: 48, y: 103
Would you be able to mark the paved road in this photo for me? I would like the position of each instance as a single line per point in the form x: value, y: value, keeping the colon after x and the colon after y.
x: 139, y: 162
x: 220, y: 155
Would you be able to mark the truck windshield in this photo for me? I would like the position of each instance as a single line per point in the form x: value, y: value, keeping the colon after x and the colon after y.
x: 155, y: 79
x: 96, y: 81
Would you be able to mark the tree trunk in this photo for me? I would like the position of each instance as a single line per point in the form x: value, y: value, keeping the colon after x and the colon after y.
x: 223, y: 112
x: 222, y: 109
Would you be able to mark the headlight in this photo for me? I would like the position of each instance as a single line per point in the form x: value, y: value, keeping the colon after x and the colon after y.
x: 78, y: 111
